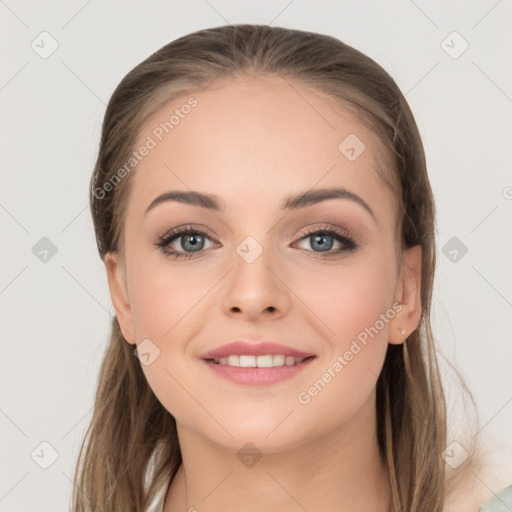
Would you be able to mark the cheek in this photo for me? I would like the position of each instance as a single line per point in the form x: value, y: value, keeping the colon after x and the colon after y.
x: 354, y: 306
x: 162, y: 298
x: 165, y: 311
x: 167, y: 308
x: 345, y: 380
x: 347, y: 300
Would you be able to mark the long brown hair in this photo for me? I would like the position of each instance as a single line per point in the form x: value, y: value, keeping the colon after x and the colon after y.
x: 131, y: 447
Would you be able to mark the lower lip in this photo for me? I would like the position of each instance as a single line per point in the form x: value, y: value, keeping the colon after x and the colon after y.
x: 257, y: 376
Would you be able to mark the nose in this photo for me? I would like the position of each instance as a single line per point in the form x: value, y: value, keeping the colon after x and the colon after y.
x: 255, y: 289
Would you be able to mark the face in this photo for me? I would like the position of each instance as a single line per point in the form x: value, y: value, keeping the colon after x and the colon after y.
x: 319, y: 277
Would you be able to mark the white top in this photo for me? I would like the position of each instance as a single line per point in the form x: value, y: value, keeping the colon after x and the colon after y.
x: 157, y: 505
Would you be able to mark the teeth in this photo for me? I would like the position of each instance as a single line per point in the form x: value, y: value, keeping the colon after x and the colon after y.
x: 246, y: 361
x: 290, y: 361
x: 233, y: 361
x: 266, y: 361
x: 278, y: 360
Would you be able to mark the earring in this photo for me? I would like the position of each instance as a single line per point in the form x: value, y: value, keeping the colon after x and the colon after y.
x: 403, y: 332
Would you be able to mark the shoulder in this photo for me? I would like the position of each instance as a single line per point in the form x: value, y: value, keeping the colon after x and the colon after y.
x: 500, y: 502
x: 487, y: 489
x: 482, y: 499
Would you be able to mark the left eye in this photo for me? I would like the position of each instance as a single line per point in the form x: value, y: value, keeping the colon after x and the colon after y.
x: 323, y: 240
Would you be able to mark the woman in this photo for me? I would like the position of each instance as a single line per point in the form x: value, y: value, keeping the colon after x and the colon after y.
x: 263, y: 210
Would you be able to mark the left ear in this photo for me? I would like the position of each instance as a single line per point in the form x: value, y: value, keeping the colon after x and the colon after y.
x: 408, y: 294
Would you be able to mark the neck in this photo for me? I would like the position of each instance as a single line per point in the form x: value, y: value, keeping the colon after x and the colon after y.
x: 341, y: 470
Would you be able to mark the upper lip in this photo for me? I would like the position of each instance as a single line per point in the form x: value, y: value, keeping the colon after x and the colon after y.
x: 258, y: 349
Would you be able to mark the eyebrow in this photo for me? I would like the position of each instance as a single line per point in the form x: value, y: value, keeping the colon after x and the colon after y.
x: 300, y: 200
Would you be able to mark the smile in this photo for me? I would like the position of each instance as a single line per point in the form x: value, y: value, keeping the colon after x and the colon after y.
x: 265, y: 361
x: 251, y: 370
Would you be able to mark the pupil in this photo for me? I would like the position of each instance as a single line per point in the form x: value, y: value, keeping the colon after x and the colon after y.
x: 194, y: 245
x: 321, y: 239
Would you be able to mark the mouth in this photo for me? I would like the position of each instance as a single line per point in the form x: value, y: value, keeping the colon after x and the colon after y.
x: 263, y: 361
x: 261, y: 370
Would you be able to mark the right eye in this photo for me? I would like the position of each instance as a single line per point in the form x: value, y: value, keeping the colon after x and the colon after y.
x: 192, y: 239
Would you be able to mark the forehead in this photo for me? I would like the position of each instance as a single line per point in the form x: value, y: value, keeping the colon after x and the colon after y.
x: 257, y: 138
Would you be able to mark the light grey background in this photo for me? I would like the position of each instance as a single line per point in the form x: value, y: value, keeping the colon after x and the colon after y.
x: 55, y: 314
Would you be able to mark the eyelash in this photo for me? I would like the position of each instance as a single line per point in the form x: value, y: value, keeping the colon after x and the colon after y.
x: 163, y: 241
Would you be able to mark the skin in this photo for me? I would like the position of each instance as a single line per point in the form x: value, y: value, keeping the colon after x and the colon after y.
x: 253, y: 142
